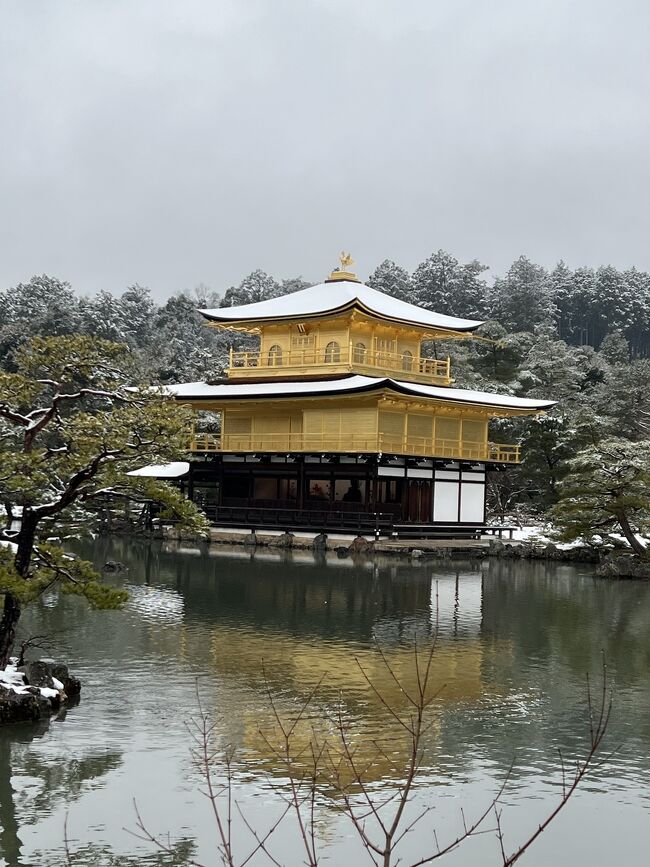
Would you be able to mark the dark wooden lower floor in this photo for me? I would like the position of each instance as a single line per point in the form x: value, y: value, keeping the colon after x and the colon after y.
x: 344, y: 491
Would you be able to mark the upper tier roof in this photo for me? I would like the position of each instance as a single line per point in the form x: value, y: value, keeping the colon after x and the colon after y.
x: 197, y: 391
x: 328, y: 298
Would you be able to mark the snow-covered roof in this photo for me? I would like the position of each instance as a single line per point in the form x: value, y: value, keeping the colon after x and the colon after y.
x: 336, y: 297
x: 196, y: 391
x: 163, y: 471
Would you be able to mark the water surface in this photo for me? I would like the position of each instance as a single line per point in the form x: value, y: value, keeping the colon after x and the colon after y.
x: 516, y: 641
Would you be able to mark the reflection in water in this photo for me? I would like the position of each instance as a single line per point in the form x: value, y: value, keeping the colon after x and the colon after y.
x: 52, y: 783
x: 515, y: 642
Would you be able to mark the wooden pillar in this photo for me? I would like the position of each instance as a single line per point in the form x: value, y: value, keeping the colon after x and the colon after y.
x: 190, y: 483
x: 301, y: 483
x: 220, y: 483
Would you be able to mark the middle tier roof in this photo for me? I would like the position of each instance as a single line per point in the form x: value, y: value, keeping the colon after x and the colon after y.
x: 224, y: 391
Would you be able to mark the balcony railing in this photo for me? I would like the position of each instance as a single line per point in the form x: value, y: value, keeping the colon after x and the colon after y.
x: 342, y: 358
x: 356, y: 443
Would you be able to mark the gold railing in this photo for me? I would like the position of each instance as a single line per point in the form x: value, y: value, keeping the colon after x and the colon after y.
x: 205, y: 442
x: 351, y: 442
x: 350, y: 357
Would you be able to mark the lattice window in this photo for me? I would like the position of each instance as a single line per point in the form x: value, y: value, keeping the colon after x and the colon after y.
x: 359, y: 353
x: 332, y: 352
x: 305, y: 341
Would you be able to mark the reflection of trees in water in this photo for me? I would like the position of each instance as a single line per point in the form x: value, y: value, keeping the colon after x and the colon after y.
x: 94, y: 855
x: 294, y: 591
x: 61, y: 781
x: 555, y: 613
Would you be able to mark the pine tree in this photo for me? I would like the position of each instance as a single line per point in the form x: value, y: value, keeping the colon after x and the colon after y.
x: 391, y: 279
x: 606, y: 490
x: 257, y: 286
x: 523, y: 298
x: 435, y: 282
x: 45, y: 305
x: 72, y: 428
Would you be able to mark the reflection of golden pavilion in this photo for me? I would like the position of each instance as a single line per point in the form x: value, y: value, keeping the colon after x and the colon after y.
x: 291, y: 666
x: 341, y: 410
x: 239, y: 646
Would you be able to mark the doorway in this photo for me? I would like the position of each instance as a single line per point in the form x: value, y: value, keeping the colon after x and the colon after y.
x: 419, y: 501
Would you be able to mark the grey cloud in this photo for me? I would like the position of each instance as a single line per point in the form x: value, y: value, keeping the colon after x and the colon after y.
x: 175, y: 143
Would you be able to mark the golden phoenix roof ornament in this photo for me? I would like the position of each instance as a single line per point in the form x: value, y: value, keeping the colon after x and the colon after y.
x: 346, y: 260
x: 342, y: 272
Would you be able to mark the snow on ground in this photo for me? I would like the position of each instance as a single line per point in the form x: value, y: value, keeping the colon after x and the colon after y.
x: 540, y: 533
x: 543, y: 534
x: 14, y: 680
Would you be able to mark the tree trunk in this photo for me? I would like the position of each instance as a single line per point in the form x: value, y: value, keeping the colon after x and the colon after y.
x: 12, y: 610
x: 25, y: 541
x: 8, y: 623
x: 636, y: 546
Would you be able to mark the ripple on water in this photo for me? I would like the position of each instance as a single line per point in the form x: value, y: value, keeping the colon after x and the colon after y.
x: 512, y: 654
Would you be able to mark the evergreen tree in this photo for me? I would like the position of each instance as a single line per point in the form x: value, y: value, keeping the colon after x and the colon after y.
x: 523, y: 298
x: 552, y: 367
x: 184, y: 349
x: 293, y: 284
x: 562, y: 290
x: 258, y: 286
x: 434, y: 281
x: 72, y: 428
x: 638, y: 329
x: 497, y: 355
x: 622, y: 400
x: 615, y: 349
x: 103, y: 316
x: 606, y: 490
x: 137, y: 308
x: 45, y: 305
x: 391, y: 279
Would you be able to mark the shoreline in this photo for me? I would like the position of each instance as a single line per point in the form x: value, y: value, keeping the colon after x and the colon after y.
x: 411, y: 549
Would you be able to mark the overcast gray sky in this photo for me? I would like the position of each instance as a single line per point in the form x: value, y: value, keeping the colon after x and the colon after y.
x: 172, y: 142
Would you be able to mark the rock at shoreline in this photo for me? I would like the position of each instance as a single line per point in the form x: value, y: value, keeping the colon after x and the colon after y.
x: 114, y: 566
x: 319, y: 542
x: 23, y: 707
x: 34, y: 691
x: 361, y: 546
x: 283, y: 541
x: 624, y: 566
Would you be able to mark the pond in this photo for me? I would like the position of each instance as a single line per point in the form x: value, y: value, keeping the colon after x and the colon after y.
x: 516, y: 641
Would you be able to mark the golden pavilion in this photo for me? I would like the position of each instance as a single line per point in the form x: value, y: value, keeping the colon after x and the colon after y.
x: 338, y: 420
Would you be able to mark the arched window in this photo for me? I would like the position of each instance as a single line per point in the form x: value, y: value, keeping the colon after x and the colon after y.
x: 275, y: 356
x: 332, y: 352
x: 359, y: 353
x: 407, y: 360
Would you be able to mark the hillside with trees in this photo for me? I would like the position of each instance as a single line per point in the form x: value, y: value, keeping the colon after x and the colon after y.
x: 581, y: 337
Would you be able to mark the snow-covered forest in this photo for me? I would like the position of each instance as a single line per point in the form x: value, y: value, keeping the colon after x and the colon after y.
x: 581, y: 337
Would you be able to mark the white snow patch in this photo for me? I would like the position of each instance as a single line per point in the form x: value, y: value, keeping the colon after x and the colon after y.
x: 174, y: 470
x: 335, y: 296
x: 543, y: 535
x: 14, y: 680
